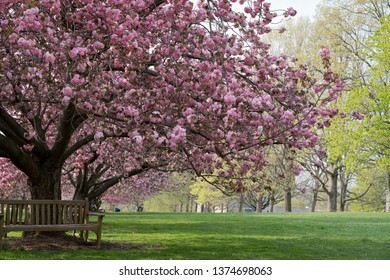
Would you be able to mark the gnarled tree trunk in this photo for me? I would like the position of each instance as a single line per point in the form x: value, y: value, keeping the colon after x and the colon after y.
x: 48, y: 186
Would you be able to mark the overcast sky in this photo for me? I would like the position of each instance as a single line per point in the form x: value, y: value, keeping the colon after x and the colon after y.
x: 304, y: 7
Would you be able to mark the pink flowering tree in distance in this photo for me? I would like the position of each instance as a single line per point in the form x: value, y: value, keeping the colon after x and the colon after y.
x: 136, y: 189
x: 12, y: 184
x: 114, y: 88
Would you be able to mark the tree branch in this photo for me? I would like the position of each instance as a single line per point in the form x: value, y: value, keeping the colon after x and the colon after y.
x: 78, y: 145
x: 99, y: 188
x: 70, y: 122
x: 21, y: 160
x: 360, y: 196
x: 151, y: 8
x: 11, y: 128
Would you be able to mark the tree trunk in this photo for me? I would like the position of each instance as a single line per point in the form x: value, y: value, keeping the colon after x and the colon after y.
x: 332, y: 196
x: 271, y: 202
x: 287, y: 200
x: 241, y: 203
x: 259, y: 203
x: 314, y: 200
x: 343, y: 190
x: 47, y: 186
x: 332, y: 202
x: 290, y: 182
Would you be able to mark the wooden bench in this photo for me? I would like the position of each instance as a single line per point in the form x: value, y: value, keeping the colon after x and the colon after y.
x: 49, y: 215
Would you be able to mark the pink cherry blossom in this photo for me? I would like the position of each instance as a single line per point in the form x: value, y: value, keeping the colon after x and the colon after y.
x: 357, y: 115
x: 98, y: 135
x: 287, y: 116
x: 68, y: 91
x: 65, y: 101
x: 291, y: 11
x: 49, y: 57
x: 325, y: 53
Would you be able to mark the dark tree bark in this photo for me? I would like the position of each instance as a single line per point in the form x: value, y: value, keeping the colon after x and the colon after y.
x: 344, y: 182
x: 314, y: 200
x: 332, y: 192
x: 287, y: 200
x: 91, y: 185
x: 259, y: 203
x: 271, y: 202
x: 48, y: 186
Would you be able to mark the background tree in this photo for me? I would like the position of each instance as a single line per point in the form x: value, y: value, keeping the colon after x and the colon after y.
x: 210, y: 198
x: 360, y: 135
x: 176, y: 197
x: 346, y: 27
x: 18, y: 187
x: 370, y: 191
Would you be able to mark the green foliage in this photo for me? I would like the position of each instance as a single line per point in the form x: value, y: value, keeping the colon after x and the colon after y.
x: 380, y: 42
x: 373, y: 180
x: 175, y: 199
x: 367, y: 140
x: 379, y: 102
x: 164, y: 202
x: 207, y: 193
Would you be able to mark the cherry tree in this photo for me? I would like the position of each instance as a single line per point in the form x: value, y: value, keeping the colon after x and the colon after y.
x: 127, y: 86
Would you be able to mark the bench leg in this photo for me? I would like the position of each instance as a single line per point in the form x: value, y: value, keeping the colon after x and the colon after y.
x: 2, y: 235
x: 82, y: 235
x: 98, y: 234
x: 99, y: 238
x: 86, y: 234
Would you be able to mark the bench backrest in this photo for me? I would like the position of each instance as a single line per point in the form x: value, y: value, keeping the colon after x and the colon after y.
x: 44, y: 212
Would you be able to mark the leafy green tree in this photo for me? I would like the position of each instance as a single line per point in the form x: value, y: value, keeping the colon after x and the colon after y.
x: 175, y: 198
x: 209, y: 197
x: 370, y: 191
x: 363, y: 133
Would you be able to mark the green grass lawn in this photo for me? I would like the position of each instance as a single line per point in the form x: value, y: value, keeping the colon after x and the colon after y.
x: 201, y: 236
